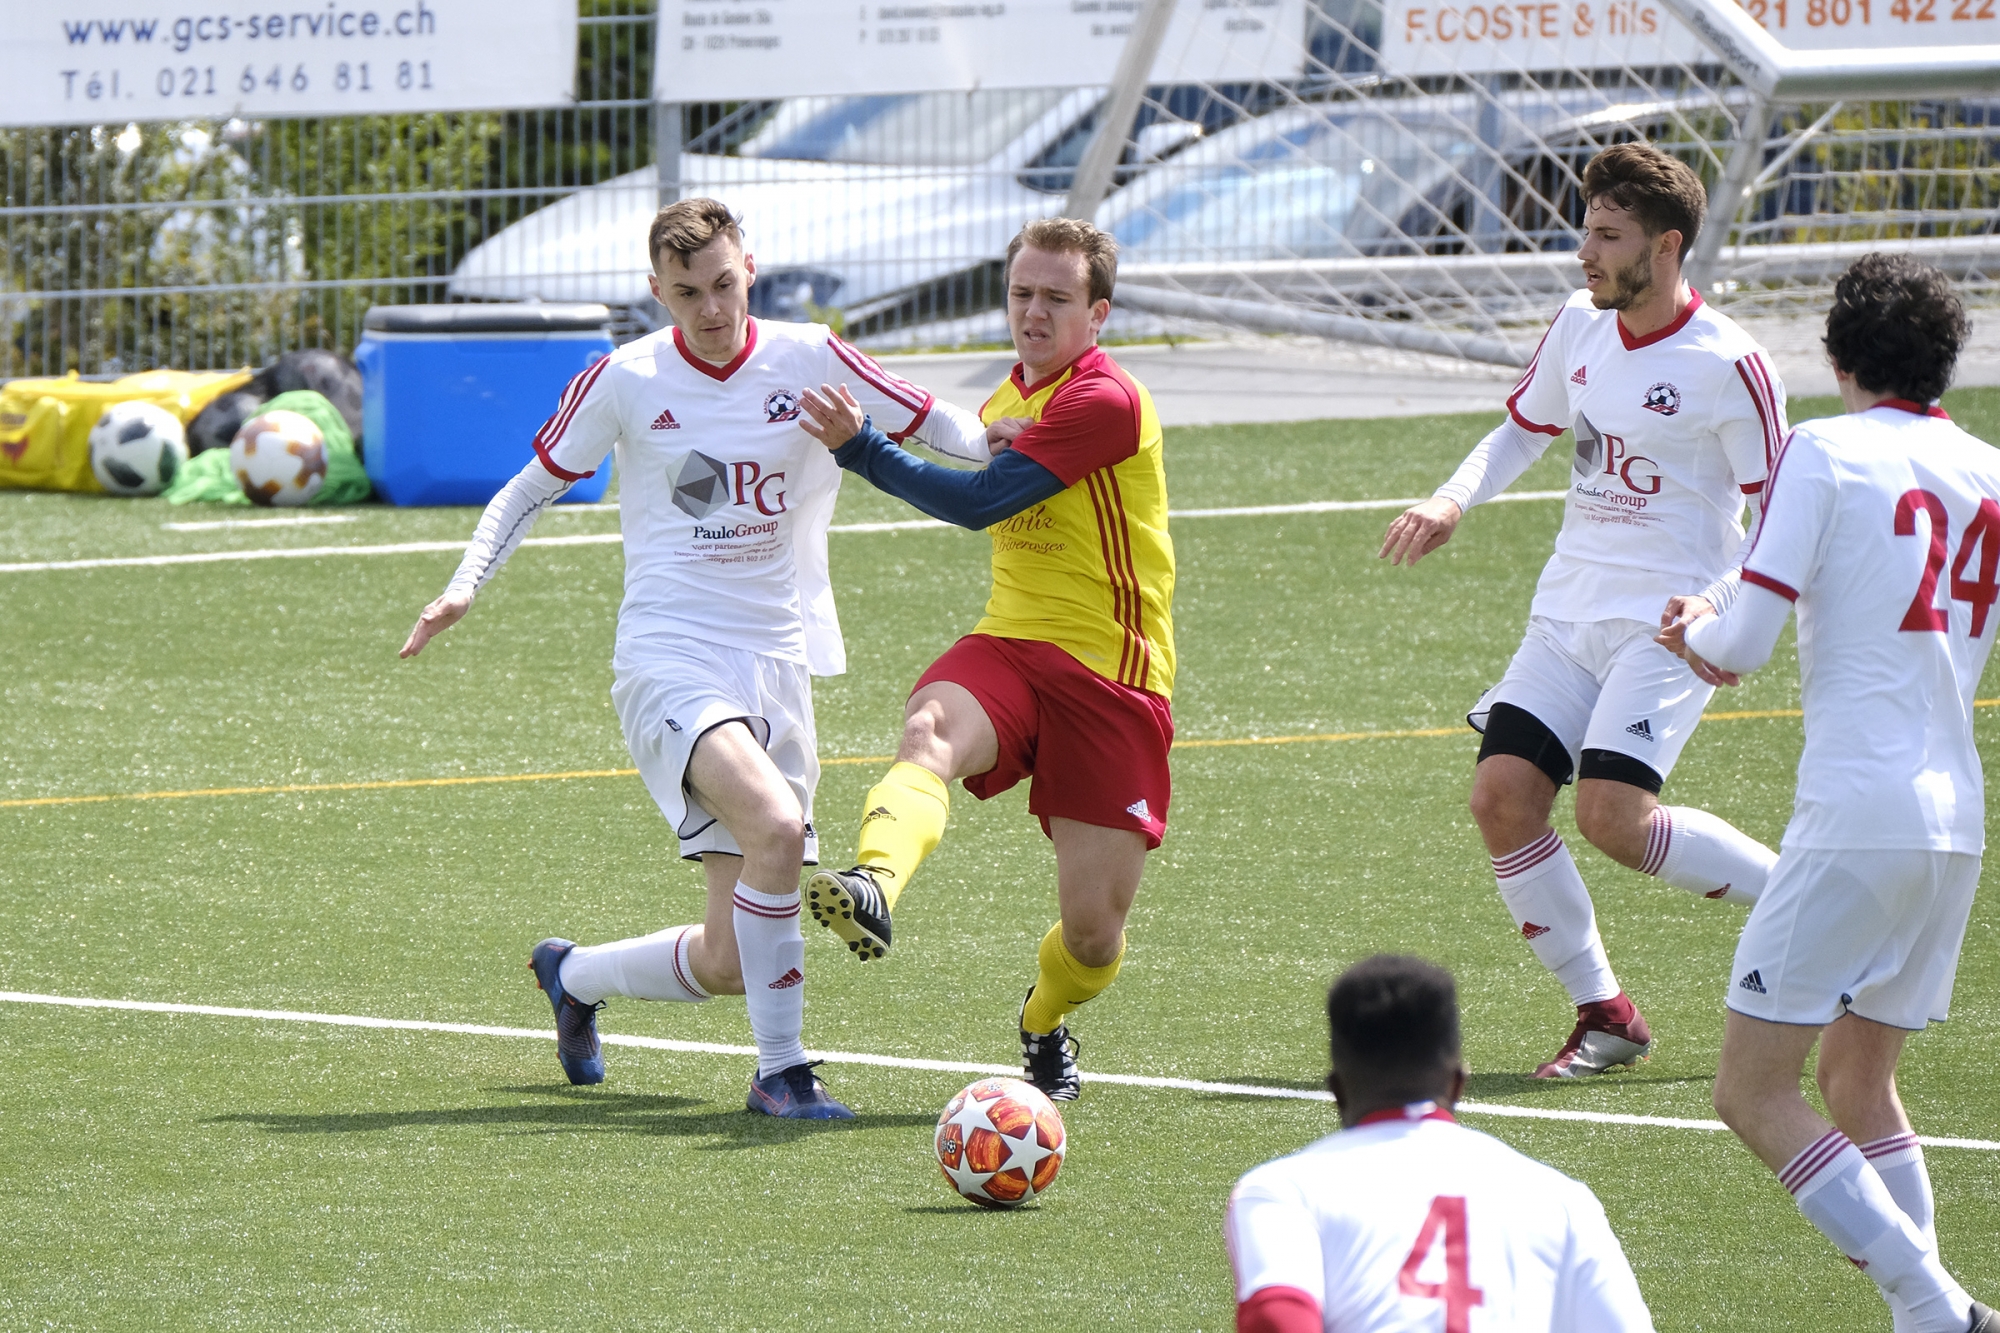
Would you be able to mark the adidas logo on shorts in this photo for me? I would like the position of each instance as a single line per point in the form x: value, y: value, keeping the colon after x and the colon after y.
x: 1138, y: 809
x: 1578, y: 377
x: 1643, y: 729
x: 1752, y: 982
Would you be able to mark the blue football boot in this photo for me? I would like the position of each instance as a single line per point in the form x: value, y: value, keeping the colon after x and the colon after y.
x: 795, y: 1094
x: 577, y: 1047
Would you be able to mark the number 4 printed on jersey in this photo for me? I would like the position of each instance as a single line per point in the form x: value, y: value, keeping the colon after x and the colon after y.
x: 1981, y: 535
x: 1456, y: 1291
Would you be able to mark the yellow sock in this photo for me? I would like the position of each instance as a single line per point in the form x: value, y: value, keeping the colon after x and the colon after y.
x: 905, y: 819
x: 1063, y: 983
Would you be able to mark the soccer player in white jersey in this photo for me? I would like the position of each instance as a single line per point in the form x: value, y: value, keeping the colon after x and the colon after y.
x: 1677, y: 416
x: 725, y: 504
x: 1406, y: 1221
x: 1883, y: 527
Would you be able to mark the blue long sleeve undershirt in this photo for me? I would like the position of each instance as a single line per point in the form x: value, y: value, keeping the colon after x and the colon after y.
x: 1008, y: 485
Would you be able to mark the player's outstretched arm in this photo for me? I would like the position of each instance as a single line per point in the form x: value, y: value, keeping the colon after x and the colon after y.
x: 506, y: 521
x: 1681, y: 612
x: 974, y: 500
x: 1419, y: 530
x: 1494, y: 464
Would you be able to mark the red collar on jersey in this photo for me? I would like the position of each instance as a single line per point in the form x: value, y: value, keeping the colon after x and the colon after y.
x: 709, y: 369
x: 1634, y: 344
x: 1917, y: 409
x: 1414, y: 1111
x: 1087, y: 361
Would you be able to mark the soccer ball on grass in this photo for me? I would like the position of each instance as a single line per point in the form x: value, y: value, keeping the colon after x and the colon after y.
x: 1000, y: 1142
x: 136, y: 448
x: 279, y: 458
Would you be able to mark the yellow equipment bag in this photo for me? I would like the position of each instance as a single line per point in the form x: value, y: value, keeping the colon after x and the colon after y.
x: 45, y: 423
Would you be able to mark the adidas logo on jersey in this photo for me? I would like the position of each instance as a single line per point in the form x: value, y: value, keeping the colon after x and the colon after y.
x: 1138, y: 809
x: 665, y: 421
x: 1643, y: 729
x: 1578, y: 378
x: 789, y: 980
x: 1752, y: 982
x: 1530, y: 931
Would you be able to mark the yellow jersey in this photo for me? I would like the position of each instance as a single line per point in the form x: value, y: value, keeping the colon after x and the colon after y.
x: 1090, y: 570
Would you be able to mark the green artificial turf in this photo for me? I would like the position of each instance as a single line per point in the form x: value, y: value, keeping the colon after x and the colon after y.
x: 167, y: 1171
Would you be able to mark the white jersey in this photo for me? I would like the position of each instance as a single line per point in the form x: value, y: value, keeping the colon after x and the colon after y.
x: 1410, y: 1223
x: 1673, y: 430
x: 1884, y: 527
x: 724, y: 500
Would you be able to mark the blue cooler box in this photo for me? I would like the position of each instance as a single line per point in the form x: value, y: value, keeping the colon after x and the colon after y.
x: 452, y: 395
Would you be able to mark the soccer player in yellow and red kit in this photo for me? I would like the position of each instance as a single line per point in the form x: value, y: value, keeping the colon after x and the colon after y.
x: 1066, y: 679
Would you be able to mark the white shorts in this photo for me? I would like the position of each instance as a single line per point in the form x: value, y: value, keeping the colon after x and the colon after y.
x: 671, y: 691
x: 1602, y: 685
x: 1876, y: 933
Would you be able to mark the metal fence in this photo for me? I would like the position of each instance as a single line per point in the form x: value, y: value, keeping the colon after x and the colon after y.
x: 1431, y: 211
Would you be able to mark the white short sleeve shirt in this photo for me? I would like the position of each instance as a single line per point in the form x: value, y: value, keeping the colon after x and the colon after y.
x: 1408, y: 1223
x: 724, y: 500
x: 1673, y: 431
x: 1884, y: 527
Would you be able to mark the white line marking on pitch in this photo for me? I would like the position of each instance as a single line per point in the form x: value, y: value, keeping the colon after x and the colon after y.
x: 884, y: 1061
x: 613, y: 538
x: 214, y: 524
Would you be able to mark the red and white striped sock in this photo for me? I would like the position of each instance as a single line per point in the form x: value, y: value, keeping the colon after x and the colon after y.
x: 1873, y: 1231
x: 1693, y: 850
x: 772, y: 951
x: 649, y: 967
x: 1899, y: 1160
x: 1542, y: 889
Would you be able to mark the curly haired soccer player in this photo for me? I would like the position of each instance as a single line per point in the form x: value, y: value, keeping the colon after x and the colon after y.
x: 1677, y: 416
x: 1065, y: 680
x: 724, y: 504
x: 1855, y: 942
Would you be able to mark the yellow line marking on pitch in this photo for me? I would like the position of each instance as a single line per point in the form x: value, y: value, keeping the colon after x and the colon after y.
x: 584, y: 773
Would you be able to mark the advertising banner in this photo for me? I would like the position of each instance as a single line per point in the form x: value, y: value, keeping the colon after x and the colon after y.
x: 68, y: 62
x: 1498, y: 36
x: 715, y: 50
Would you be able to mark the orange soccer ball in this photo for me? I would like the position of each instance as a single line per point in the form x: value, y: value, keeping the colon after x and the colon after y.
x: 279, y: 458
x: 1000, y: 1142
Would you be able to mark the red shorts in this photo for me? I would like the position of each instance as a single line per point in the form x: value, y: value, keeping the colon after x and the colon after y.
x: 1097, y: 750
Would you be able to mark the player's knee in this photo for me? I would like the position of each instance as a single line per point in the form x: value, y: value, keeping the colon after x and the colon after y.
x: 920, y: 734
x: 1726, y: 1097
x: 774, y: 835
x: 1094, y: 943
x: 1610, y: 827
x: 1503, y: 815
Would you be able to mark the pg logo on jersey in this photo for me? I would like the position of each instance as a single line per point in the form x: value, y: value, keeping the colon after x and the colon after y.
x: 782, y: 405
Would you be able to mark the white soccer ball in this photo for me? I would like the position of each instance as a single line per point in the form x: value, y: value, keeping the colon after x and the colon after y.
x: 279, y: 458
x: 137, y: 448
x: 1000, y: 1143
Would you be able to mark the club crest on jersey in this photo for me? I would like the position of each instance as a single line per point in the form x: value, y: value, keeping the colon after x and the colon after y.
x: 1663, y: 398
x: 782, y: 406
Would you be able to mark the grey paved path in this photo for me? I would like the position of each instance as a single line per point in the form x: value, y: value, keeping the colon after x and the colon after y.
x: 1279, y: 379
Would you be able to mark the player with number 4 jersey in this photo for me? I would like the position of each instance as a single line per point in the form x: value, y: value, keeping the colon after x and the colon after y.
x: 1406, y: 1221
x: 1883, y: 527
x: 1677, y: 416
